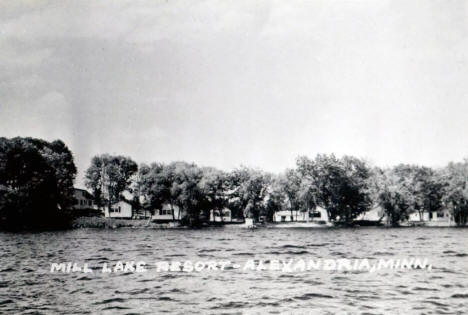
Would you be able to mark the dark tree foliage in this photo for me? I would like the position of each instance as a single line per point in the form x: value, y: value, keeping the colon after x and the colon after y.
x: 249, y: 188
x: 109, y: 176
x: 339, y: 185
x: 275, y: 200
x: 194, y: 190
x: 36, y: 183
x: 455, y: 194
x: 395, y: 204
x: 406, y: 189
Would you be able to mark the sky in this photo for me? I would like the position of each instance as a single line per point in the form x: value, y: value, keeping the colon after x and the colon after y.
x: 230, y: 83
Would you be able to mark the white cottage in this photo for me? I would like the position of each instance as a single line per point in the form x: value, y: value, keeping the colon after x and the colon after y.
x: 121, y: 210
x: 221, y: 215
x: 318, y: 214
x: 375, y: 216
x: 432, y: 218
x: 82, y: 200
x: 167, y: 214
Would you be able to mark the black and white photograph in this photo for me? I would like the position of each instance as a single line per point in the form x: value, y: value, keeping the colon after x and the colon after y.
x: 233, y: 157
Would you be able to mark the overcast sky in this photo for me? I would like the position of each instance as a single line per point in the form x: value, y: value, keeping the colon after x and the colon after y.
x: 225, y: 83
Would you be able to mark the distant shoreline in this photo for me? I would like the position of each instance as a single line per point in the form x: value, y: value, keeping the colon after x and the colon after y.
x: 113, y: 223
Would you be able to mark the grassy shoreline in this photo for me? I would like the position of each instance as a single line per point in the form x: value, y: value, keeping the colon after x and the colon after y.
x: 112, y: 223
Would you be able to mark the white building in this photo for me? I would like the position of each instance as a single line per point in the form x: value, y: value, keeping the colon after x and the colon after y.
x: 121, y: 210
x: 83, y: 200
x: 167, y: 214
x: 221, y: 215
x: 432, y: 218
x: 375, y: 216
x: 319, y: 214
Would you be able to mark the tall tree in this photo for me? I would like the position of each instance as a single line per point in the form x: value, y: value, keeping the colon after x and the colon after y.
x: 422, y: 186
x: 157, y: 182
x: 291, y: 185
x: 214, y: 188
x: 36, y: 182
x: 249, y: 187
x: 454, y: 177
x: 339, y: 185
x: 395, y: 197
x: 276, y: 197
x: 187, y: 191
x: 109, y: 176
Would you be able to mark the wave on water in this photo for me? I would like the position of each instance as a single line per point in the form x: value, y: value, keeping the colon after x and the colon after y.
x: 236, y: 290
x: 309, y: 296
x: 115, y: 308
x: 108, y: 301
x: 289, y: 252
x: 293, y: 246
x: 230, y: 305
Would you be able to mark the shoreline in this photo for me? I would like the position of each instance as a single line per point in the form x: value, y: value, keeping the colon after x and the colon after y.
x: 112, y: 223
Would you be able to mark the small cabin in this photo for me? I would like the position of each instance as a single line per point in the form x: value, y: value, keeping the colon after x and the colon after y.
x: 223, y: 215
x: 83, y: 204
x: 82, y: 200
x: 122, y: 210
x: 167, y: 213
x: 318, y: 214
x: 433, y: 218
x: 374, y: 217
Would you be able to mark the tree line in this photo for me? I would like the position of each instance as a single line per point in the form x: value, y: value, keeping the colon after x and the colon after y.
x: 36, y: 183
x: 345, y: 186
x: 36, y: 187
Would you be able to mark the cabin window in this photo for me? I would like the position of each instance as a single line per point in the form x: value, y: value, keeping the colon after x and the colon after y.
x: 440, y: 215
x: 283, y: 218
x: 116, y: 210
x: 165, y: 212
x: 316, y: 214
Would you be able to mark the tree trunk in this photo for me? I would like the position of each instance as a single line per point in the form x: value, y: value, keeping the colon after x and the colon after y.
x: 172, y: 210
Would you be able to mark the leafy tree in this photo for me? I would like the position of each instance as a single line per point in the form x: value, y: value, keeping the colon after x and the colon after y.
x: 249, y: 187
x: 109, y: 176
x: 157, y: 181
x: 276, y: 197
x: 422, y: 187
x: 184, y: 185
x: 395, y: 197
x: 214, y: 187
x: 36, y: 182
x: 291, y: 186
x: 454, y: 179
x: 187, y: 191
x: 338, y: 185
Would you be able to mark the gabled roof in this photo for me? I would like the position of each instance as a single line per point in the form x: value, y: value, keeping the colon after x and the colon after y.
x: 87, y: 193
x: 122, y: 200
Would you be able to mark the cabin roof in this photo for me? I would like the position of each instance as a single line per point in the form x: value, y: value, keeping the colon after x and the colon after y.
x: 87, y: 193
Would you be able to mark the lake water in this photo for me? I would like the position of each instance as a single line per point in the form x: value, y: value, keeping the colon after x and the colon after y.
x: 28, y: 286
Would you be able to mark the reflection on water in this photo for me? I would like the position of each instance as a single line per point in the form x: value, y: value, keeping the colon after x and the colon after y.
x: 26, y: 285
